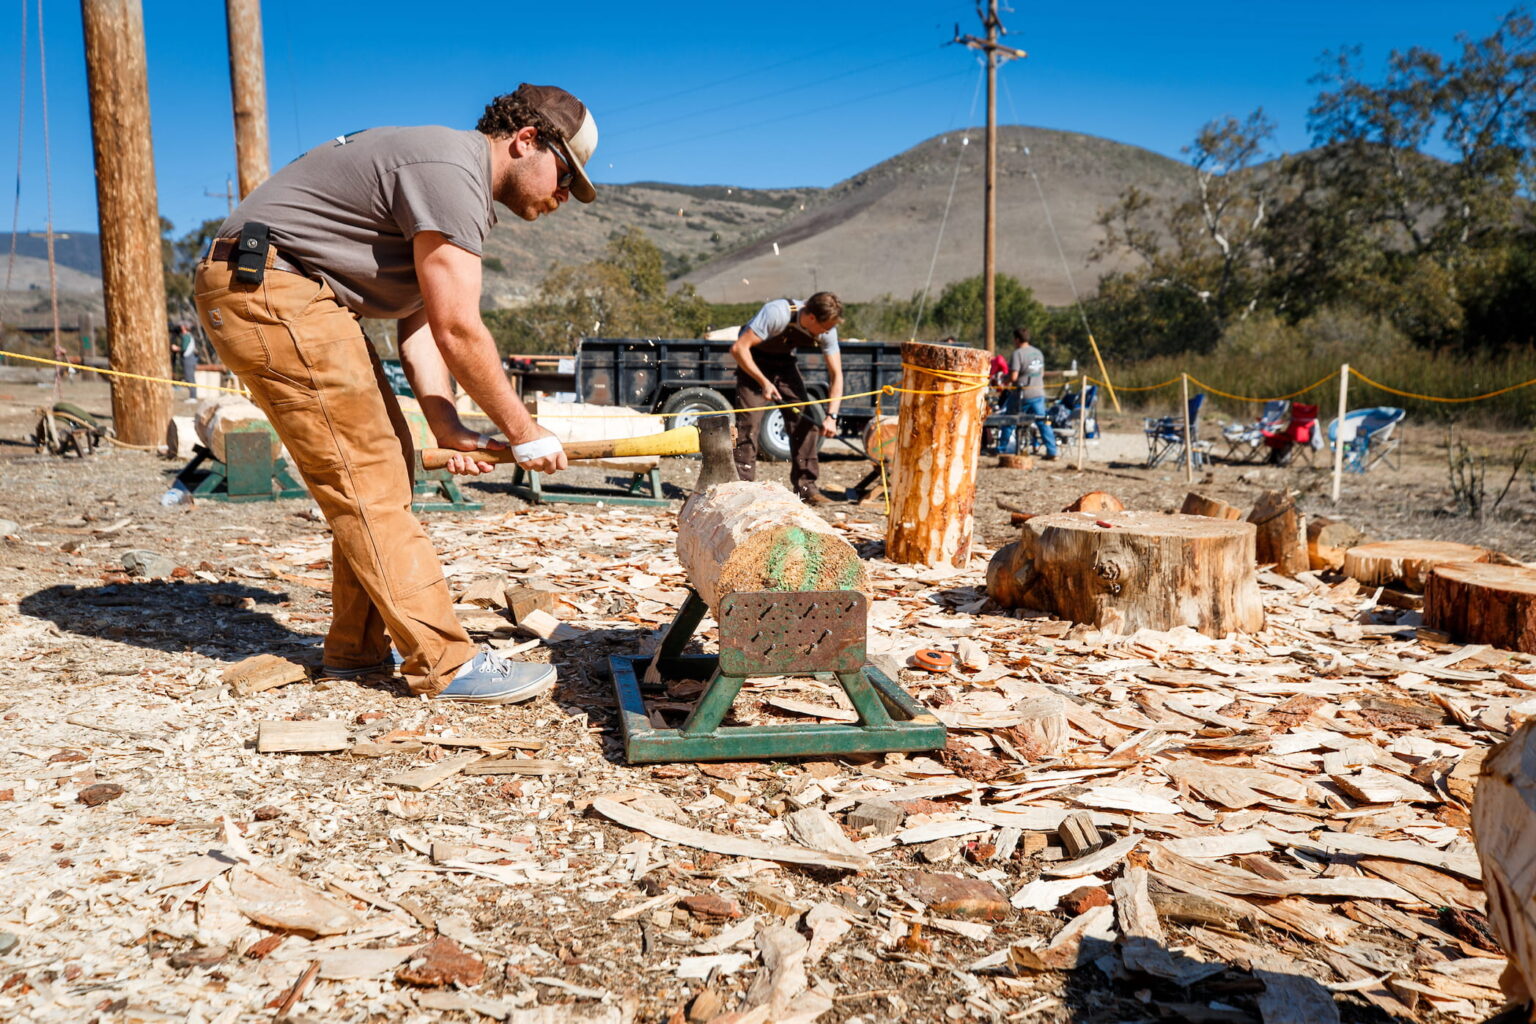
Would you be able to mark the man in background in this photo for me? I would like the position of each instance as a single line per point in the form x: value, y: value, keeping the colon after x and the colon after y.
x: 767, y: 374
x: 1026, y: 376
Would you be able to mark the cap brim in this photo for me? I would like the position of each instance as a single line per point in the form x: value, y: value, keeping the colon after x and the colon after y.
x: 581, y: 185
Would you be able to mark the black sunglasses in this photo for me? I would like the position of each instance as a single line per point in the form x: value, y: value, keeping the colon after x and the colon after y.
x: 564, y: 181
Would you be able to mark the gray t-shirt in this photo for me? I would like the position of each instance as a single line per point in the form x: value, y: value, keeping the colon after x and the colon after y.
x: 1028, y: 369
x: 774, y: 317
x: 347, y: 210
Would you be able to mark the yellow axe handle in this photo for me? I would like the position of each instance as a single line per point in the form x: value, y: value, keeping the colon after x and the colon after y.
x: 677, y: 441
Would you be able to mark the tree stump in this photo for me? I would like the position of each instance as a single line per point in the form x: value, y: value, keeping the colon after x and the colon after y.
x: 1282, y: 533
x: 1213, y: 508
x: 1139, y: 570
x: 1328, y: 540
x: 1483, y: 604
x: 933, y: 482
x: 1405, y: 561
x: 1504, y: 825
x: 880, y: 437
x: 742, y: 536
x: 1007, y: 461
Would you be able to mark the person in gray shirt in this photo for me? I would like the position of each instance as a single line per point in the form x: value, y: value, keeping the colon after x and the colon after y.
x: 392, y: 223
x: 1026, y: 376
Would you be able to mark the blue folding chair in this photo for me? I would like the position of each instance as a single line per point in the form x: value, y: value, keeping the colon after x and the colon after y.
x: 1165, y: 436
x: 1245, y: 441
x: 1368, y: 438
x: 1065, y: 412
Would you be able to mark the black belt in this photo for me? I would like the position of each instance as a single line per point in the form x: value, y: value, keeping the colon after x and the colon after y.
x: 224, y: 250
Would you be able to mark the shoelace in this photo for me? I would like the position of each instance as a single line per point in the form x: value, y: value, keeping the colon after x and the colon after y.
x: 489, y: 659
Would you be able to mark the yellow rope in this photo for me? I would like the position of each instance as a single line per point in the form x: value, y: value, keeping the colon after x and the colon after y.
x: 1437, y: 398
x: 1149, y: 387
x: 1276, y: 398
x: 119, y: 373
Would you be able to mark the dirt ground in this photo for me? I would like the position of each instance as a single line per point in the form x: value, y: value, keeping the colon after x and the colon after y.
x: 108, y: 680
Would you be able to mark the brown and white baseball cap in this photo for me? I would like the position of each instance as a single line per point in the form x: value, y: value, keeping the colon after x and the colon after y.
x: 574, y: 121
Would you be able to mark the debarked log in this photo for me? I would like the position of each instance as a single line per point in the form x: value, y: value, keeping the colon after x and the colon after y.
x: 1125, y: 571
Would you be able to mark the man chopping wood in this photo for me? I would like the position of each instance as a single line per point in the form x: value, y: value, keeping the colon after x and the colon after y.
x: 391, y: 223
x: 766, y: 374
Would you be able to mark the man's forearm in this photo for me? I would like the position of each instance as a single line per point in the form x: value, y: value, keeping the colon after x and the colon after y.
x: 471, y: 356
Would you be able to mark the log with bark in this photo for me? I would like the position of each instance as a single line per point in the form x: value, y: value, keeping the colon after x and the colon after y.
x: 228, y: 414
x: 743, y: 536
x: 1405, y: 561
x: 1504, y: 825
x: 1124, y: 571
x: 1328, y: 540
x: 1214, y: 508
x: 1281, y: 539
x: 938, y: 445
x: 1483, y: 604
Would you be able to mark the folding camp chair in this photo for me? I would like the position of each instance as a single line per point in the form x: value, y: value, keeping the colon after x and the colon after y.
x: 1298, y: 438
x: 1165, y: 436
x: 1065, y: 411
x: 1367, y: 437
x: 1245, y: 441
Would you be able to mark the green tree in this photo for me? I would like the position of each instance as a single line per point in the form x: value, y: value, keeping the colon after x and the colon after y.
x: 958, y: 311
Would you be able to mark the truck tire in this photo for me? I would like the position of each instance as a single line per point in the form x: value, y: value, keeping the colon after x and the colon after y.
x: 683, y: 407
x: 773, y: 437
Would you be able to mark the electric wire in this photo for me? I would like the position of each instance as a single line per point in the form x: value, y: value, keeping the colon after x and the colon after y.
x: 954, y: 180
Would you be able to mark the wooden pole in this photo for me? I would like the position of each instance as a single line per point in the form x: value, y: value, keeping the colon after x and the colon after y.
x: 1082, y: 419
x: 1338, y: 435
x: 1189, y: 441
x: 133, y: 282
x: 989, y: 231
x: 248, y: 88
x: 933, y: 486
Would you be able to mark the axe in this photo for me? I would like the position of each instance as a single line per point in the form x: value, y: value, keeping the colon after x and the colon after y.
x: 677, y: 441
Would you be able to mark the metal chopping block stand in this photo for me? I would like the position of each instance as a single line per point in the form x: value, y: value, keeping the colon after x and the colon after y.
x: 764, y: 634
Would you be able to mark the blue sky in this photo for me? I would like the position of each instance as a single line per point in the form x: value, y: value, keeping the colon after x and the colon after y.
x: 790, y: 93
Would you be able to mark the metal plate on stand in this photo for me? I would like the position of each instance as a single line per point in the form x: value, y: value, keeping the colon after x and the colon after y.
x: 775, y: 633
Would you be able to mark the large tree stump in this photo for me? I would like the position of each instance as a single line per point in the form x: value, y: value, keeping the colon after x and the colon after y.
x: 742, y: 536
x: 1214, y: 508
x: 1328, y: 540
x: 1282, y: 533
x: 1405, y: 561
x: 1483, y: 604
x: 1143, y: 570
x: 1504, y: 824
x: 933, y: 481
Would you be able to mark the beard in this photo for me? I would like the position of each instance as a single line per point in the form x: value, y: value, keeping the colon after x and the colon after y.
x: 531, y: 209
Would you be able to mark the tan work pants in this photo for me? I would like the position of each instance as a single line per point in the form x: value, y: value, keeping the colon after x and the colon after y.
x: 307, y: 364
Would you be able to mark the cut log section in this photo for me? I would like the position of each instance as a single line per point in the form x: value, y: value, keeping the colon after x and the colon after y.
x: 1213, y: 508
x: 1328, y: 540
x: 938, y: 445
x: 880, y: 437
x: 1281, y: 539
x: 1405, y: 561
x: 1015, y: 462
x: 1483, y: 604
x: 744, y: 535
x: 1504, y: 824
x: 1124, y: 571
x: 227, y: 414
x: 1096, y: 501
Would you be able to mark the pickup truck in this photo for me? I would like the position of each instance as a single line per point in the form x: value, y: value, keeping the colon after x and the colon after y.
x: 682, y: 378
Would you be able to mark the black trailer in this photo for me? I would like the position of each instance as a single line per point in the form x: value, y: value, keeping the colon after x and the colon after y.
x: 682, y: 378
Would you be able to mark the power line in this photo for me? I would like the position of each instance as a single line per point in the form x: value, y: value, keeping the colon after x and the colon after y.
x: 753, y: 73
x: 954, y: 180
x: 21, y: 134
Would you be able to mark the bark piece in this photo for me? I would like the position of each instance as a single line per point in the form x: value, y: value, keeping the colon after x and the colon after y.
x: 1405, y: 561
x: 972, y: 899
x: 747, y: 536
x: 440, y: 963
x: 1124, y: 571
x: 263, y: 672
x: 1211, y: 508
x: 933, y: 479
x: 319, y: 737
x: 1490, y: 604
x: 1281, y: 537
x: 102, y: 792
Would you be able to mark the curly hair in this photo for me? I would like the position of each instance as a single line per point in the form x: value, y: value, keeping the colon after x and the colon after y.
x: 504, y: 115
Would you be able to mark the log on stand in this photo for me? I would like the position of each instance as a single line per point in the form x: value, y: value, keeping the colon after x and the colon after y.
x: 1282, y: 533
x: 1214, y: 508
x: 745, y: 536
x: 1504, y: 824
x: 1484, y: 604
x: 1124, y: 571
x: 933, y: 480
x: 1405, y: 561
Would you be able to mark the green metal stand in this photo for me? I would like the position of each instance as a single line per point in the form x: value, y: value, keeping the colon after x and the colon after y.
x: 435, y: 490
x: 644, y: 489
x: 771, y: 633
x: 249, y: 474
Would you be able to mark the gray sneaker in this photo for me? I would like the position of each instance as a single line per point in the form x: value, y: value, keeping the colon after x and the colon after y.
x: 488, y: 678
x: 383, y: 668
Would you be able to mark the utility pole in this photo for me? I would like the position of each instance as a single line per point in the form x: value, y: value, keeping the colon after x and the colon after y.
x: 133, y: 281
x: 995, y: 53
x: 248, y: 88
x: 228, y: 195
